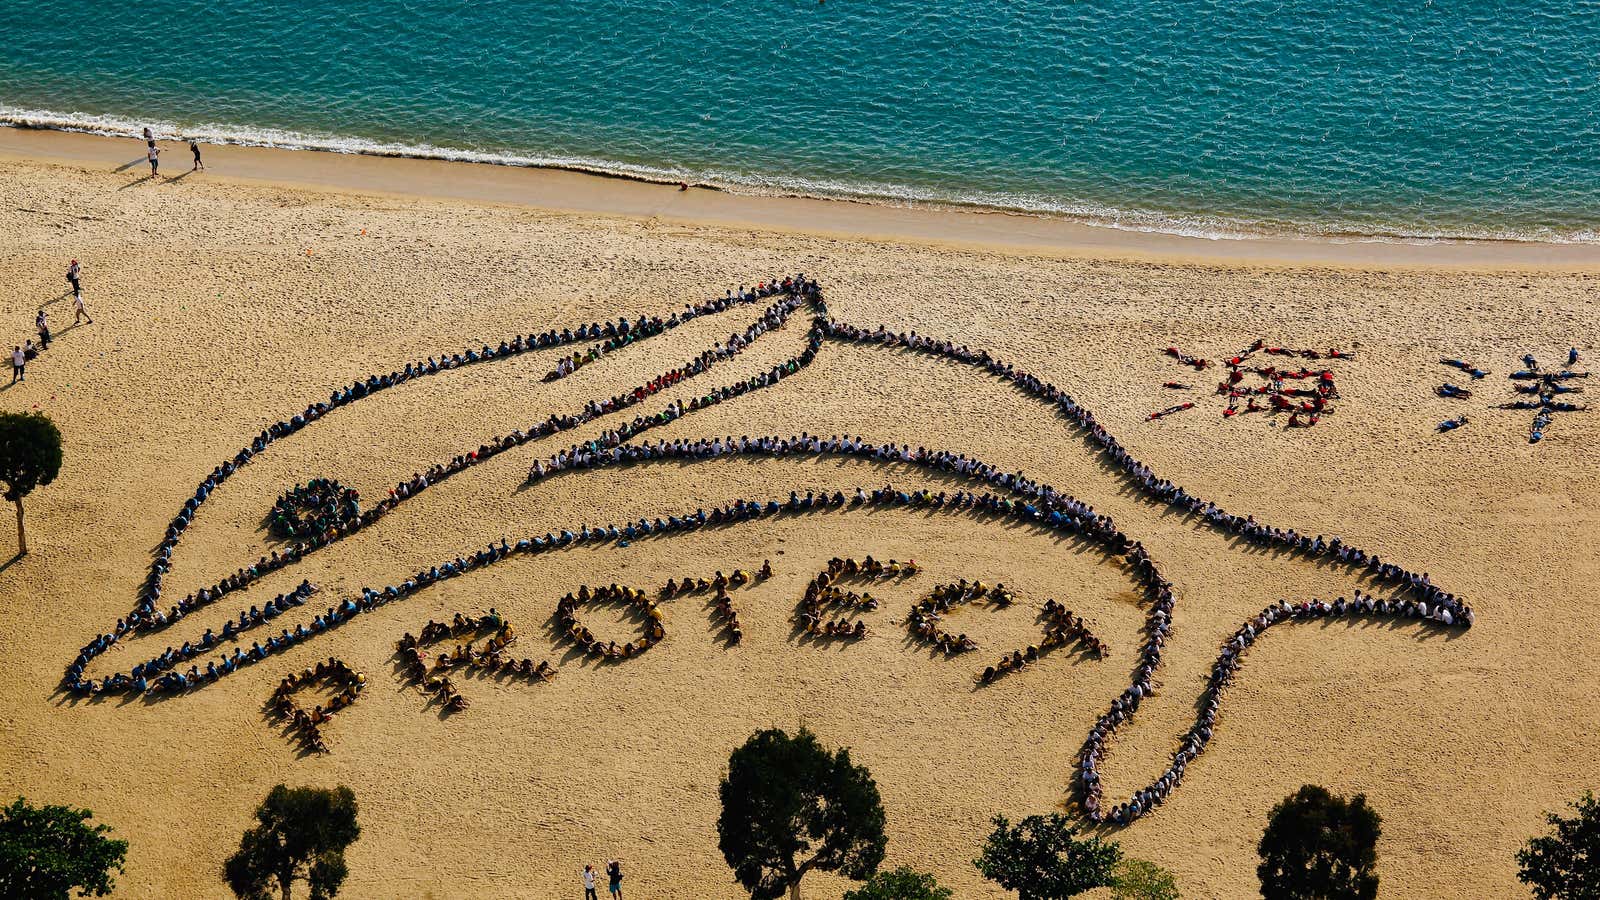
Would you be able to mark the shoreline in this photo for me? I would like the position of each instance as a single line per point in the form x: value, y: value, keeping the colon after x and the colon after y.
x: 1189, y: 224
x: 616, y: 195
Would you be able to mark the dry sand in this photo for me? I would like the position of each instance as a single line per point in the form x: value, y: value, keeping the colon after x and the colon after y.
x: 212, y: 319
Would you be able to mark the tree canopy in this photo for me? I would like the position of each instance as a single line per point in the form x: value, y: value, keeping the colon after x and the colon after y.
x: 30, y: 456
x: 1041, y: 858
x: 903, y: 883
x: 301, y: 836
x: 1320, y: 847
x: 51, y: 852
x: 789, y: 805
x: 1138, y: 879
x: 1565, y: 864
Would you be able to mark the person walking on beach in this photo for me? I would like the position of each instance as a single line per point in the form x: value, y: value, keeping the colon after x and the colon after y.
x: 78, y: 312
x: 44, y: 330
x: 74, y: 272
x: 588, y: 883
x: 154, y: 155
x: 194, y: 147
x: 614, y: 879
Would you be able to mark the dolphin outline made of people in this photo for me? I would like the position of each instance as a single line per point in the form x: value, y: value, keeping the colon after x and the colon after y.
x: 1005, y: 494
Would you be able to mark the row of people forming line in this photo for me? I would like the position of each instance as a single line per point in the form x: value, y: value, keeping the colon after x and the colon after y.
x: 1442, y: 607
x: 160, y: 672
x: 740, y: 510
x: 307, y: 724
x: 623, y: 333
x: 1033, y: 502
x: 154, y: 674
x: 1053, y: 506
x: 1222, y: 674
x: 147, y: 616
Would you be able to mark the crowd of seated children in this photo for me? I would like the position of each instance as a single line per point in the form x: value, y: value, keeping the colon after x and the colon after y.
x: 307, y: 724
x: 427, y: 670
x: 925, y: 616
x: 147, y: 616
x: 824, y: 591
x: 575, y: 631
x: 1039, y: 503
x: 1014, y: 496
x: 315, y: 509
x: 721, y: 601
x: 1062, y: 626
x: 1039, y: 497
x: 1444, y: 607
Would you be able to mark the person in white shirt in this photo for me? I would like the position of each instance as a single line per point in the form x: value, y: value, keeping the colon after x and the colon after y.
x: 588, y: 883
x: 78, y: 311
x: 19, y: 361
x: 154, y: 156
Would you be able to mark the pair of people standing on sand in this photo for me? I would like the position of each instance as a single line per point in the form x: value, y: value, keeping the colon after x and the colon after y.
x: 613, y: 881
x: 153, y: 153
x: 74, y: 274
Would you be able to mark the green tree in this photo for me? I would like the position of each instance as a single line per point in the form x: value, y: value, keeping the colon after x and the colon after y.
x: 51, y: 852
x: 1138, y: 879
x: 789, y: 805
x: 1041, y: 858
x: 30, y: 456
x: 1565, y: 864
x: 1320, y: 847
x: 903, y: 883
x: 301, y: 836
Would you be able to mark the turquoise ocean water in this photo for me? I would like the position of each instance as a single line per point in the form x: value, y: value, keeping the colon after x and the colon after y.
x: 1467, y: 118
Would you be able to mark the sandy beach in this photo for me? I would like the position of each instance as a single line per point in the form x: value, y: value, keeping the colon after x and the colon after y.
x: 228, y: 299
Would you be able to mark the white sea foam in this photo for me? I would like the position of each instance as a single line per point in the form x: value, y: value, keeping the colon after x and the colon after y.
x: 1210, y: 227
